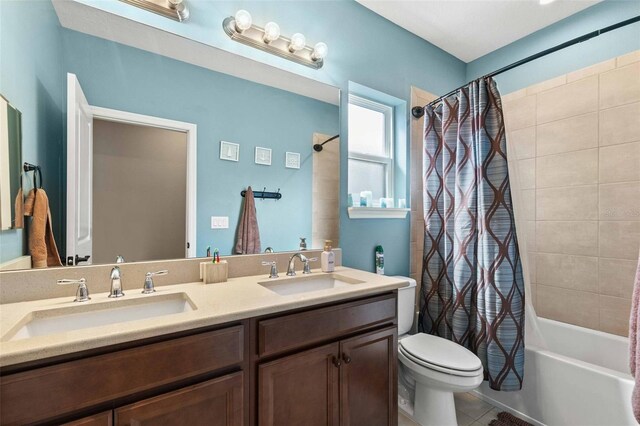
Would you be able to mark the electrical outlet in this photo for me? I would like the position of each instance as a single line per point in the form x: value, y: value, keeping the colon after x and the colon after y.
x: 219, y: 222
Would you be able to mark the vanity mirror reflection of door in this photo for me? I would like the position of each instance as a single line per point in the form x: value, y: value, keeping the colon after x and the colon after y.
x: 128, y: 184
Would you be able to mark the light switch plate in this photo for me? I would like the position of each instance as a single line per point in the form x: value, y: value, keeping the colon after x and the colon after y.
x: 219, y: 222
x: 292, y: 160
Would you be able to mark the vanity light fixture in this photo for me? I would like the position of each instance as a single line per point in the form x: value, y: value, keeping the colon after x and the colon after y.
x: 172, y: 9
x: 543, y: 2
x: 241, y: 28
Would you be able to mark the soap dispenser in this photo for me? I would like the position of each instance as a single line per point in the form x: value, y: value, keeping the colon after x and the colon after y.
x: 328, y: 257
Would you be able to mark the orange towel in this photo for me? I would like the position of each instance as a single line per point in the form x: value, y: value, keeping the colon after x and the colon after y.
x: 19, y: 219
x: 248, y: 234
x: 42, y: 245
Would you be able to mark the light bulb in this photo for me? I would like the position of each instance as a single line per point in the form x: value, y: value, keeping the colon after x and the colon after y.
x: 271, y: 32
x: 243, y: 20
x: 319, y: 51
x: 297, y: 42
x: 543, y: 2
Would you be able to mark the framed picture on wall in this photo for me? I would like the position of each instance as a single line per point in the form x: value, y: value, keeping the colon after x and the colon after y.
x: 229, y: 151
x: 263, y: 156
x: 292, y: 160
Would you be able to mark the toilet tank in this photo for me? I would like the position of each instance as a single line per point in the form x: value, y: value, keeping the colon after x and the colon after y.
x: 406, y: 306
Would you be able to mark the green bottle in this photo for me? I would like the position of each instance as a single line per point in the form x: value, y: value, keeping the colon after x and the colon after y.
x: 379, y: 260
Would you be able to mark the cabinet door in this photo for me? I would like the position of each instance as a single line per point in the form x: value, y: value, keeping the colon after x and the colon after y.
x: 300, y: 389
x: 102, y: 419
x: 368, y: 379
x: 216, y: 402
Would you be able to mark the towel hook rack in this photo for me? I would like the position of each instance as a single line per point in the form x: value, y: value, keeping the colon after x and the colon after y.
x: 264, y: 195
x: 28, y: 167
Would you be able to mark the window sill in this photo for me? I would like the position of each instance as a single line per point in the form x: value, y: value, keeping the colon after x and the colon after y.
x: 376, y: 213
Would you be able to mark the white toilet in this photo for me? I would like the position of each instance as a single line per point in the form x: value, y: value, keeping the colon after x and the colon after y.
x: 431, y: 367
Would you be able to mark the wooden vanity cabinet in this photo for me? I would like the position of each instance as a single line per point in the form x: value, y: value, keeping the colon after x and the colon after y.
x: 350, y: 381
x: 333, y: 364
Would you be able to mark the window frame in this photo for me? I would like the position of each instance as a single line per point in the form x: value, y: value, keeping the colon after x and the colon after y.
x: 388, y: 159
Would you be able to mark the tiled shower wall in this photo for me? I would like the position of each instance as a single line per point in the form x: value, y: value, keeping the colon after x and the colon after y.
x: 574, y: 145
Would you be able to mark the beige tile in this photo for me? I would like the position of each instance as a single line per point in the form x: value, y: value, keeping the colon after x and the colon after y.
x: 620, y: 86
x: 580, y: 238
x: 620, y: 201
x: 463, y: 419
x: 614, y: 315
x: 627, y: 59
x: 527, y: 173
x: 471, y: 405
x: 487, y: 418
x: 530, y: 237
x: 569, y: 134
x: 616, y: 277
x: 514, y: 95
x: 567, y: 271
x: 520, y: 113
x: 620, y: 163
x: 570, y: 306
x: 524, y: 142
x: 568, y: 203
x: 528, y: 204
x: 568, y: 169
x: 532, y: 258
x: 546, y: 85
x: 620, y: 125
x: 592, y: 70
x: 579, y: 97
x: 619, y: 240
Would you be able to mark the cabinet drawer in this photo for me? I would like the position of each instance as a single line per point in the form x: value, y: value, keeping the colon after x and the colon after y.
x: 216, y: 402
x: 317, y: 325
x: 72, y: 386
x: 102, y: 419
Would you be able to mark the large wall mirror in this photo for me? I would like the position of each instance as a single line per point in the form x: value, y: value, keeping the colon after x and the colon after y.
x: 147, y: 157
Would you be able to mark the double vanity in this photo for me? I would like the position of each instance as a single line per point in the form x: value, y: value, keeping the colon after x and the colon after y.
x: 318, y: 348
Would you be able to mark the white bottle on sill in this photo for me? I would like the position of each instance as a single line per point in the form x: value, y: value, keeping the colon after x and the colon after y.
x: 328, y: 257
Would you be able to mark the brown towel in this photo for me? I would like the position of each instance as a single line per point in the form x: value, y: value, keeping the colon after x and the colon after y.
x: 248, y: 234
x: 42, y: 245
x: 634, y: 343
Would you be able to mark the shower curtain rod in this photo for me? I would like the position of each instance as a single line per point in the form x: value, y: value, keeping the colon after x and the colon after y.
x: 418, y: 111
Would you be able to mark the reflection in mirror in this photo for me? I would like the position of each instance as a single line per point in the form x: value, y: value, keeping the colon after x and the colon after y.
x: 143, y: 172
x: 10, y: 164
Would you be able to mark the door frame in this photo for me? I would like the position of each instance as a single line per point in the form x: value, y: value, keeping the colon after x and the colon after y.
x: 191, y: 130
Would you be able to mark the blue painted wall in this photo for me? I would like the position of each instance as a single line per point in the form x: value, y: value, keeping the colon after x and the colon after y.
x: 31, y: 78
x: 596, y: 50
x: 224, y: 108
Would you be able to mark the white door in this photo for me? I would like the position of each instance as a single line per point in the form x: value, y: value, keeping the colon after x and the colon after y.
x: 79, y: 174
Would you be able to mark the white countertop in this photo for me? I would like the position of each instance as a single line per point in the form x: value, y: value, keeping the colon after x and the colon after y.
x: 238, y: 298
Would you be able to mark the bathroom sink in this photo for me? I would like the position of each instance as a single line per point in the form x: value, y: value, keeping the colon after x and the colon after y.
x: 308, y: 283
x: 87, y: 315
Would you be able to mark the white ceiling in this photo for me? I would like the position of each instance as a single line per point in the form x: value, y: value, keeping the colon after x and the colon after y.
x: 469, y: 29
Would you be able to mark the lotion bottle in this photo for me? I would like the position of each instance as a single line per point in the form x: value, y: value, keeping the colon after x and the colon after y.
x: 328, y: 257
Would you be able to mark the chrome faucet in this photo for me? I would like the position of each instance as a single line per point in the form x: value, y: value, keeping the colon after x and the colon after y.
x: 116, y: 283
x: 82, y: 294
x: 274, y: 269
x: 148, y: 281
x: 291, y: 271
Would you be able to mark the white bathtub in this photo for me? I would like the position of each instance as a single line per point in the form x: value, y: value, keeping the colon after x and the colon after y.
x: 573, y: 376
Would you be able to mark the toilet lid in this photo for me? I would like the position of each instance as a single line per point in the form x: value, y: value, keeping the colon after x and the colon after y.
x: 443, y: 353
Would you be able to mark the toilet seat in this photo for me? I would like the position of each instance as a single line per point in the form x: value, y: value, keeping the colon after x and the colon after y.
x: 438, y: 354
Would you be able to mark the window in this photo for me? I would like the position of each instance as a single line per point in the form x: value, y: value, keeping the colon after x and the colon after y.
x: 370, y: 148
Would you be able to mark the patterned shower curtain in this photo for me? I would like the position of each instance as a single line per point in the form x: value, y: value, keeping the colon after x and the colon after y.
x: 472, y: 284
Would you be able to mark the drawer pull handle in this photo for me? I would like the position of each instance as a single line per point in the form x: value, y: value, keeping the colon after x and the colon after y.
x: 346, y: 358
x: 336, y: 361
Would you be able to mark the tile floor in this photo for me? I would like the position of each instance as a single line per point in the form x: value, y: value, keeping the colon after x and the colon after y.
x: 470, y: 411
